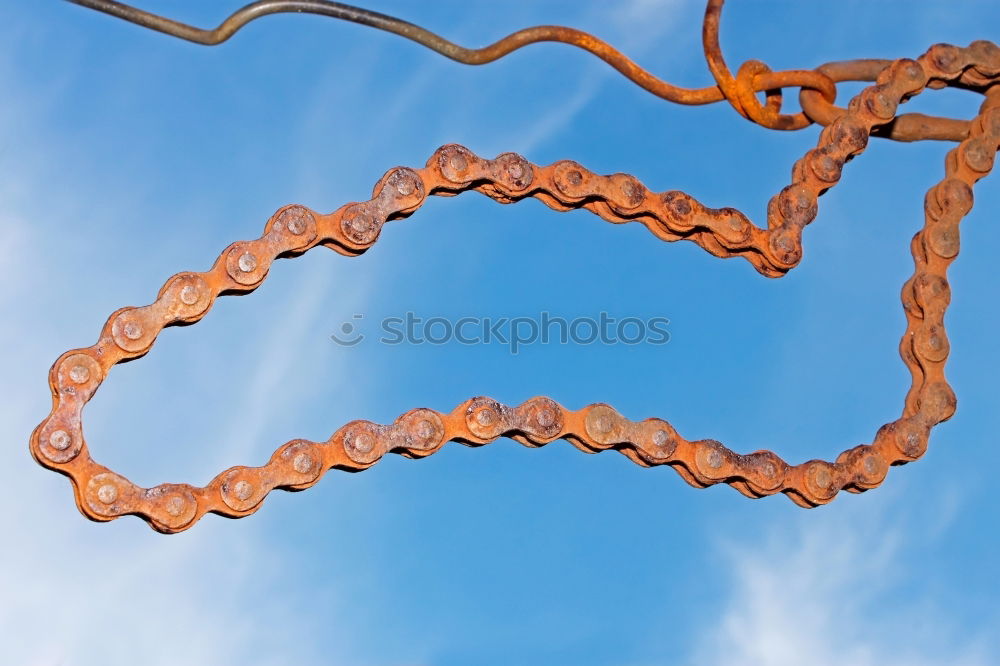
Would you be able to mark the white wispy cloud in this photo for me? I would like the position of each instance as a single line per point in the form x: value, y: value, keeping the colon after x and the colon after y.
x: 69, y: 596
x: 833, y: 588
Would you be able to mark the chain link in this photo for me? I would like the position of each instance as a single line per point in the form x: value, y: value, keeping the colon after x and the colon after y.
x: 59, y: 444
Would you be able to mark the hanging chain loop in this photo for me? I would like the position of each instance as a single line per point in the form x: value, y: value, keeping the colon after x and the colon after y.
x: 101, y: 494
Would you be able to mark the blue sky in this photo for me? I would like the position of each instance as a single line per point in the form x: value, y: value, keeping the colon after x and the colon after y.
x: 126, y: 157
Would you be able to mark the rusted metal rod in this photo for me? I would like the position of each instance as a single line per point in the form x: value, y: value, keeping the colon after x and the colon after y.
x: 818, y: 89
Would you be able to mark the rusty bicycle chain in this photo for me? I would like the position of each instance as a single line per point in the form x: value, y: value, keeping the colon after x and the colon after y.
x: 58, y: 442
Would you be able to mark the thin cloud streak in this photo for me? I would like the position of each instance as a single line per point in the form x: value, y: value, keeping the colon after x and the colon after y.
x: 828, y: 590
x: 277, y: 361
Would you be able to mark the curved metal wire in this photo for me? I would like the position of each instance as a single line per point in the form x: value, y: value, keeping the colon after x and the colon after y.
x: 512, y: 42
x: 818, y: 87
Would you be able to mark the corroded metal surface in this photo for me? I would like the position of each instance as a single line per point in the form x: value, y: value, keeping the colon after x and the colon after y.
x: 58, y: 442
